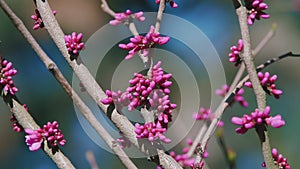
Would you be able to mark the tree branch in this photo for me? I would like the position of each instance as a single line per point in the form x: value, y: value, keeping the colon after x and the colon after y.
x: 258, y: 90
x: 88, y: 81
x: 87, y: 113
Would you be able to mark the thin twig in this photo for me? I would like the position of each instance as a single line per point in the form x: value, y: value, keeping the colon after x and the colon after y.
x: 131, y: 25
x: 161, y: 8
x: 197, y: 140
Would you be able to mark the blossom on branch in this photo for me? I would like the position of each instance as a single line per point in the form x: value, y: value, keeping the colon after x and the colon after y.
x: 268, y: 83
x: 50, y: 132
x: 205, y: 114
x: 279, y: 160
x: 142, y: 44
x: 237, y: 97
x: 6, y: 74
x: 38, y: 22
x: 234, y: 55
x: 256, y: 8
x: 74, y: 43
x: 150, y: 92
x: 16, y: 126
x: 183, y: 159
x: 124, y: 16
x: 172, y: 3
x: 151, y: 131
x: 256, y: 118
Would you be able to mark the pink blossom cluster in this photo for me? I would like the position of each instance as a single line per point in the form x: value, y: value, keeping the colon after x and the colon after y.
x: 143, y: 43
x: 123, y: 16
x: 151, y: 93
x: 257, y: 117
x: 49, y: 132
x: 256, y: 11
x: 279, y: 160
x: 268, y: 83
x: 234, y: 55
x: 205, y: 114
x: 38, y: 22
x: 183, y: 159
x: 137, y: 94
x: 74, y: 43
x: 6, y: 74
x: 238, y: 96
x: 171, y: 2
x: 151, y: 131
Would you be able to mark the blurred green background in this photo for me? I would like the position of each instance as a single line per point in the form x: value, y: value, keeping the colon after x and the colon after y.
x: 47, y: 101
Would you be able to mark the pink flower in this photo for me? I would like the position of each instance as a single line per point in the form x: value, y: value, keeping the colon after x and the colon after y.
x: 238, y: 96
x: 143, y: 43
x: 205, y: 114
x: 6, y: 74
x: 124, y: 16
x: 250, y: 121
x: 183, y: 159
x: 171, y: 2
x: 234, y: 55
x: 34, y: 139
x: 49, y: 132
x: 256, y: 8
x: 74, y: 43
x: 151, y: 131
x: 38, y: 22
x: 268, y: 83
x: 279, y: 160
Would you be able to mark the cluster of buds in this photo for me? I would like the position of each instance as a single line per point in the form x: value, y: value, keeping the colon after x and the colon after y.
x: 49, y: 132
x: 279, y: 160
x: 142, y: 44
x: 256, y: 8
x: 205, y: 114
x: 171, y: 2
x: 74, y: 43
x: 150, y: 92
x: 6, y: 74
x: 237, y: 97
x: 38, y: 22
x: 184, y: 159
x: 124, y: 16
x: 16, y: 126
x: 256, y: 118
x: 268, y: 83
x: 138, y: 93
x: 151, y: 131
x: 234, y: 55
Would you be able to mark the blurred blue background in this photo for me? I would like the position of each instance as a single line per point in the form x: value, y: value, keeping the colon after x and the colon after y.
x: 47, y: 101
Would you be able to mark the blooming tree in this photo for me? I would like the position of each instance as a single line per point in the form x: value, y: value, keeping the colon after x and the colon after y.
x: 148, y: 93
